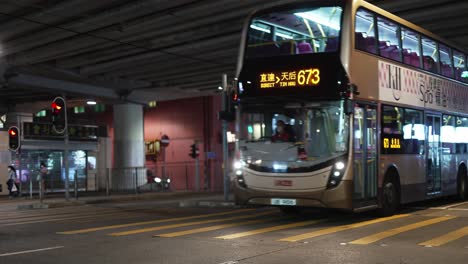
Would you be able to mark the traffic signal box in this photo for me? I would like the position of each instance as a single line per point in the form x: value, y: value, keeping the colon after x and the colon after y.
x: 194, y: 151
x: 59, y: 112
x: 13, y: 138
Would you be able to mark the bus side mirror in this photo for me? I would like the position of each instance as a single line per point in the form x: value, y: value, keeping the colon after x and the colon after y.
x: 348, y: 106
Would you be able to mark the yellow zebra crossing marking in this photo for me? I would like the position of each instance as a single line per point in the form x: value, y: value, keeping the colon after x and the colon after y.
x: 212, y: 228
x: 59, y: 219
x: 396, y: 231
x: 438, y: 241
x: 271, y: 229
x: 336, y: 229
x: 89, y: 230
x: 150, y: 229
x: 22, y: 215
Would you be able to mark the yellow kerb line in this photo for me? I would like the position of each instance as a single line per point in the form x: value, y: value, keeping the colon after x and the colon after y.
x: 156, y: 228
x: 212, y: 228
x: 332, y: 230
x: 396, y: 231
x: 438, y: 241
x: 89, y: 230
x: 271, y: 229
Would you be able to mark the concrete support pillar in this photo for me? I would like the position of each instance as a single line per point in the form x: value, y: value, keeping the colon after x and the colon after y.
x: 128, y: 136
x: 129, y: 152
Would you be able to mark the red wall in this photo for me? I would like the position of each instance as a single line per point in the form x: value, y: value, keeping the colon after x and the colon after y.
x: 185, y: 121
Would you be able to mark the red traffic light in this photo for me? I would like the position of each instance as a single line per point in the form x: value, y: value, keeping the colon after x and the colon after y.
x: 13, y: 138
x: 56, y: 107
x: 59, y: 115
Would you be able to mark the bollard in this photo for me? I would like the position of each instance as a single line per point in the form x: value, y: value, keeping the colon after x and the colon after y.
x: 40, y: 189
x: 186, y: 177
x: 76, y: 184
x: 107, y: 181
x: 30, y: 186
x: 136, y: 181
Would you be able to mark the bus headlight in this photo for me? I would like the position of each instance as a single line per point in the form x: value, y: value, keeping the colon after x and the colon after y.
x: 237, y: 164
x: 339, y: 165
x: 336, y: 174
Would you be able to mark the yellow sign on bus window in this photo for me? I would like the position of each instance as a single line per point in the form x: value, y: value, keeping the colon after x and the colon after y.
x: 284, y: 79
x: 391, y: 143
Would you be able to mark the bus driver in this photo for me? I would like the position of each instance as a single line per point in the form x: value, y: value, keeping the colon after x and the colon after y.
x: 283, y: 132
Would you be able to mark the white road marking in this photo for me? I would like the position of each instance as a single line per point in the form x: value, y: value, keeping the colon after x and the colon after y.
x: 30, y: 251
x: 450, y: 206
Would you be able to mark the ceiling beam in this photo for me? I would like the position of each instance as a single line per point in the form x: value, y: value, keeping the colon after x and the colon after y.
x: 67, y: 87
x: 180, y: 50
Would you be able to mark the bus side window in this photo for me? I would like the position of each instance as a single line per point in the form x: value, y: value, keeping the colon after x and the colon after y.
x: 430, y: 54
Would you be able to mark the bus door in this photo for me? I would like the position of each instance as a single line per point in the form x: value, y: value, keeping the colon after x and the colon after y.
x: 433, y: 154
x: 365, y: 153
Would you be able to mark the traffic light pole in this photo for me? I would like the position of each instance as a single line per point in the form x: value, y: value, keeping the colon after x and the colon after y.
x: 67, y: 179
x: 197, y: 174
x: 225, y: 145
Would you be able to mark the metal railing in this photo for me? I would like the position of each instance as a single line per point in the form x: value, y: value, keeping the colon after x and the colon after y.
x: 178, y: 176
x: 126, y: 179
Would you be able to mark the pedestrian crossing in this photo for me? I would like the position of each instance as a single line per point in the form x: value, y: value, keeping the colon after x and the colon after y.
x: 264, y: 224
x: 70, y: 214
x: 271, y: 224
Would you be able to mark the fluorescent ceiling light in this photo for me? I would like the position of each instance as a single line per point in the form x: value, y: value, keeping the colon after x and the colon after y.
x: 268, y: 31
x: 317, y: 18
x: 90, y: 102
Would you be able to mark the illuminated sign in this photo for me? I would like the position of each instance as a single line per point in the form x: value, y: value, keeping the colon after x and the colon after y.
x: 392, y: 143
x: 283, y: 79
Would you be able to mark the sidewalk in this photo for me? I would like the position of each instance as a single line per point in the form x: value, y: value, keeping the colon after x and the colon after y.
x: 181, y: 199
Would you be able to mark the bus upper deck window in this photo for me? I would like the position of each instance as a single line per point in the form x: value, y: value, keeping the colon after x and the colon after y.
x: 459, y: 64
x: 297, y: 31
x: 389, y: 46
x: 446, y: 67
x: 410, y: 45
x: 430, y: 54
x: 365, y: 31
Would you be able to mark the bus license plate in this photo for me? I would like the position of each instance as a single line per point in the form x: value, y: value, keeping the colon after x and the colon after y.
x: 289, y: 202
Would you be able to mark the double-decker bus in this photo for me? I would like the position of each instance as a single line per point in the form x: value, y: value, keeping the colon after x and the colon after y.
x: 344, y: 105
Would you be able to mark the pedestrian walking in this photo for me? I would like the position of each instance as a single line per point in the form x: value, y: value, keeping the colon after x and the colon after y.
x: 12, y: 184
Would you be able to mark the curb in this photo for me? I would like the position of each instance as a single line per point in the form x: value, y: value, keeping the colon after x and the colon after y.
x: 180, y: 199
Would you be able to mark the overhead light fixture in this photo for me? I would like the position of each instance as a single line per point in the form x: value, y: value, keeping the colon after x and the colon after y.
x: 91, y: 102
x: 220, y: 88
x: 266, y: 30
x: 152, y: 103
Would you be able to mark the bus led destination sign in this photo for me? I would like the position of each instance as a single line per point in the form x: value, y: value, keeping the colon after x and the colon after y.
x: 392, y: 143
x: 285, y: 79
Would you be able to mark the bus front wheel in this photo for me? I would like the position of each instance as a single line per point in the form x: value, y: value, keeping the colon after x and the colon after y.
x: 462, y: 186
x: 390, y: 197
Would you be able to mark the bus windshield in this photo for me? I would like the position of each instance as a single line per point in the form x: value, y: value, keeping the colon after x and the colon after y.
x: 296, y: 134
x: 296, y: 31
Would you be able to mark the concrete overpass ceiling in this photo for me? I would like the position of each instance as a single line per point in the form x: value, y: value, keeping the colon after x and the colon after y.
x: 147, y: 50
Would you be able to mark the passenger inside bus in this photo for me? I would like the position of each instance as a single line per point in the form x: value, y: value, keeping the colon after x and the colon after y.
x: 283, y: 132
